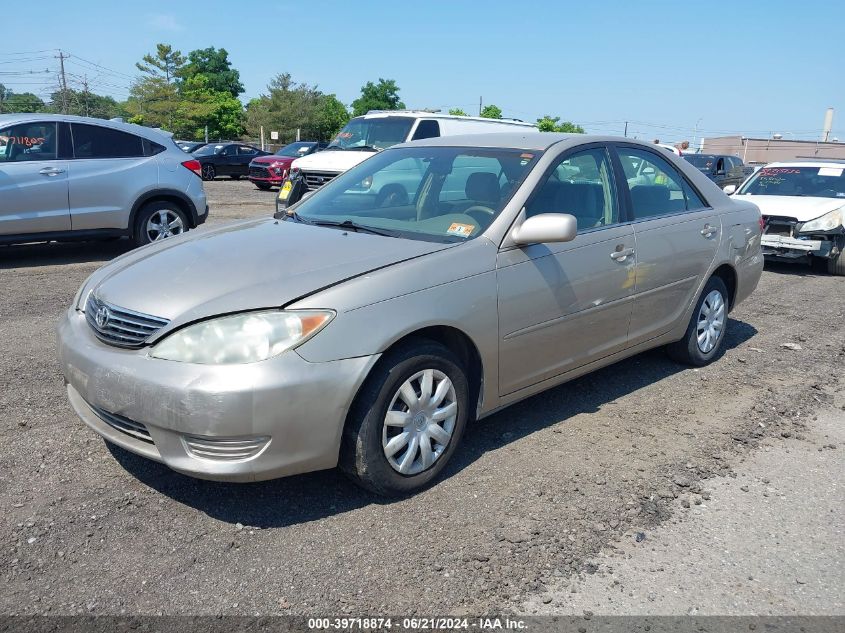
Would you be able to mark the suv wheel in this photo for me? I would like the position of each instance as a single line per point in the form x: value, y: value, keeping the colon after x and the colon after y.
x: 407, y: 421
x: 157, y: 221
x: 263, y: 186
x: 703, y: 339
x: 208, y: 172
x: 836, y: 265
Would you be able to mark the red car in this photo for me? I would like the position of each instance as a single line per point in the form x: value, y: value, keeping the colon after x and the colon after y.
x: 267, y: 171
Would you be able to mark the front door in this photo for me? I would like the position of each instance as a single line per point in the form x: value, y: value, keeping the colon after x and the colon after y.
x: 677, y: 237
x: 33, y: 180
x: 566, y: 304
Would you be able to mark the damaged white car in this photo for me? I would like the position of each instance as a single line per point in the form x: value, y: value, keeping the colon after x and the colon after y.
x: 803, y: 207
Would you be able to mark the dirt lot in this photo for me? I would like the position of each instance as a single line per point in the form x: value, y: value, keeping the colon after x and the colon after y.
x: 536, y: 492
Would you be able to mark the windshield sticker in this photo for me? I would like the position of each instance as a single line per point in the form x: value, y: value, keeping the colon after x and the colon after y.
x: 778, y: 171
x: 836, y: 172
x: 525, y: 158
x: 462, y: 230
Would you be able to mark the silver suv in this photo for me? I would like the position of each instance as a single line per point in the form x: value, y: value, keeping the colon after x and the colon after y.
x: 67, y: 177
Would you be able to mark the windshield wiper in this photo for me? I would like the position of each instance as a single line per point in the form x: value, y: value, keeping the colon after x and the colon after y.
x: 352, y: 226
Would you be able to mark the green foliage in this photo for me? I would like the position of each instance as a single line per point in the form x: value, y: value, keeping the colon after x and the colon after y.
x: 202, y: 106
x: 549, y: 124
x: 331, y: 116
x: 214, y: 64
x: 155, y: 102
x: 491, y: 112
x: 12, y: 102
x: 166, y: 64
x: 286, y: 106
x: 381, y: 96
x: 86, y: 103
x: 457, y: 112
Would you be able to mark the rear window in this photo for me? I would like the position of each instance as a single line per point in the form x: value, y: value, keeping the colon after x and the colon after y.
x: 93, y: 141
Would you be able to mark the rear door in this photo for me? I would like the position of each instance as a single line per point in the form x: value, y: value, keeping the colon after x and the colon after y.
x: 245, y: 155
x: 564, y: 305
x: 33, y: 179
x: 677, y: 235
x: 107, y: 174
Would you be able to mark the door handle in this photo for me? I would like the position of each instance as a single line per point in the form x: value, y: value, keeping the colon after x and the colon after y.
x: 621, y: 254
x: 708, y: 231
x: 51, y: 171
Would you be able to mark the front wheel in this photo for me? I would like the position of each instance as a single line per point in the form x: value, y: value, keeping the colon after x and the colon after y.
x: 836, y: 265
x: 263, y: 186
x: 407, y: 421
x: 703, y: 339
x: 235, y: 176
x: 208, y: 172
x: 157, y: 221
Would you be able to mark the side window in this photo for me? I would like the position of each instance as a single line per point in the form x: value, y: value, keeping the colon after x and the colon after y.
x: 720, y: 166
x: 427, y: 129
x: 243, y: 150
x: 581, y: 185
x: 28, y: 141
x: 93, y: 141
x: 229, y: 151
x: 656, y: 187
x: 694, y: 201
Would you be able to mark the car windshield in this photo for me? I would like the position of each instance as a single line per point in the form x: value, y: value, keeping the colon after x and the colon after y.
x: 208, y: 150
x: 295, y: 149
x: 702, y: 161
x: 816, y: 182
x: 372, y: 134
x: 443, y: 194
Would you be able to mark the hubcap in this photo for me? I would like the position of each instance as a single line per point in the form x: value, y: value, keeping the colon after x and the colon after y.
x: 711, y: 321
x: 419, y: 422
x: 208, y: 171
x: 164, y: 223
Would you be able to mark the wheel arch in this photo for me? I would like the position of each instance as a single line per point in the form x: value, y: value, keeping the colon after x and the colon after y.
x: 165, y: 195
x: 728, y: 275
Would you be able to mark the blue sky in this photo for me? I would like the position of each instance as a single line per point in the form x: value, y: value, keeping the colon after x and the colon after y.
x: 666, y: 67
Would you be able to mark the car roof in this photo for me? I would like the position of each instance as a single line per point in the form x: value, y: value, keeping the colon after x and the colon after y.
x: 436, y: 114
x: 519, y: 140
x: 141, y: 130
x: 808, y: 162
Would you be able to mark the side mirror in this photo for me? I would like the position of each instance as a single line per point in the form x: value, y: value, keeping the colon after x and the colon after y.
x: 546, y: 227
x: 729, y: 189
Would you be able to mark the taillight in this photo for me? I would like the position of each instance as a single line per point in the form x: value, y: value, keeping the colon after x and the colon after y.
x: 762, y: 224
x: 194, y: 166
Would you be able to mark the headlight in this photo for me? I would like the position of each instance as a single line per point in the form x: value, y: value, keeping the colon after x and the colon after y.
x: 295, y: 172
x: 242, y: 338
x: 827, y: 222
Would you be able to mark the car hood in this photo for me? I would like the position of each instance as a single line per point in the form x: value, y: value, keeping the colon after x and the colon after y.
x: 332, y: 160
x: 801, y: 208
x: 256, y: 264
x: 272, y: 158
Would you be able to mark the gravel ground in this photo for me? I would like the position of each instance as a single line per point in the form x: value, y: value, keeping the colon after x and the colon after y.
x: 537, y: 492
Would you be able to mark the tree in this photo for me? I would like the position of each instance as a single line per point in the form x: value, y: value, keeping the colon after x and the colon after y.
x: 457, y: 112
x: 166, y: 64
x: 214, y: 64
x: 549, y: 124
x: 155, y: 102
x: 202, y: 107
x: 86, y: 103
x: 12, y: 102
x: 381, y: 96
x: 331, y: 116
x: 491, y: 112
x: 286, y: 107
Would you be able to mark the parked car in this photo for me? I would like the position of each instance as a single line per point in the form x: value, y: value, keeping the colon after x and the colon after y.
x: 365, y: 135
x: 190, y: 146
x: 226, y: 159
x: 521, y: 262
x: 270, y: 170
x: 721, y: 169
x: 803, y: 206
x: 66, y: 177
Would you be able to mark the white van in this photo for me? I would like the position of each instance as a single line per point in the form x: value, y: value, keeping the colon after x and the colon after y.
x: 379, y: 129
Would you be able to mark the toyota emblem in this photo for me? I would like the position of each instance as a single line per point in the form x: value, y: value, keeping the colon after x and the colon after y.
x: 102, y: 317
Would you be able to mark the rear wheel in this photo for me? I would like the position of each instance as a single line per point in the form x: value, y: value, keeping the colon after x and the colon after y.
x: 407, y: 421
x: 157, y: 221
x: 263, y: 186
x: 208, y: 172
x: 702, y: 341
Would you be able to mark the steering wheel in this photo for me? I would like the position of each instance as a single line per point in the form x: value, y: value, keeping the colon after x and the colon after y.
x: 481, y: 210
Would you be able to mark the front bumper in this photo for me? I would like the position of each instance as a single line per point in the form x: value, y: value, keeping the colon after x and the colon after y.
x: 295, y: 408
x: 795, y: 248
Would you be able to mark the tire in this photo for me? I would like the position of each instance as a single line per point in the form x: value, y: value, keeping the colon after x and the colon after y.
x: 367, y: 436
x: 836, y: 265
x: 208, y: 172
x: 154, y: 214
x: 263, y: 186
x: 688, y: 350
x: 235, y: 176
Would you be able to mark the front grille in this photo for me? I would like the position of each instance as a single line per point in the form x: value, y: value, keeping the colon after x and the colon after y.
x: 224, y: 449
x: 259, y: 172
x: 315, y: 180
x: 119, y: 326
x: 124, y: 425
x: 776, y: 225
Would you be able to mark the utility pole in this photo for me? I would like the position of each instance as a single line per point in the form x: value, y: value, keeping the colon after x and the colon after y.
x: 626, y: 129
x: 480, y: 99
x: 62, y: 58
x: 85, y: 93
